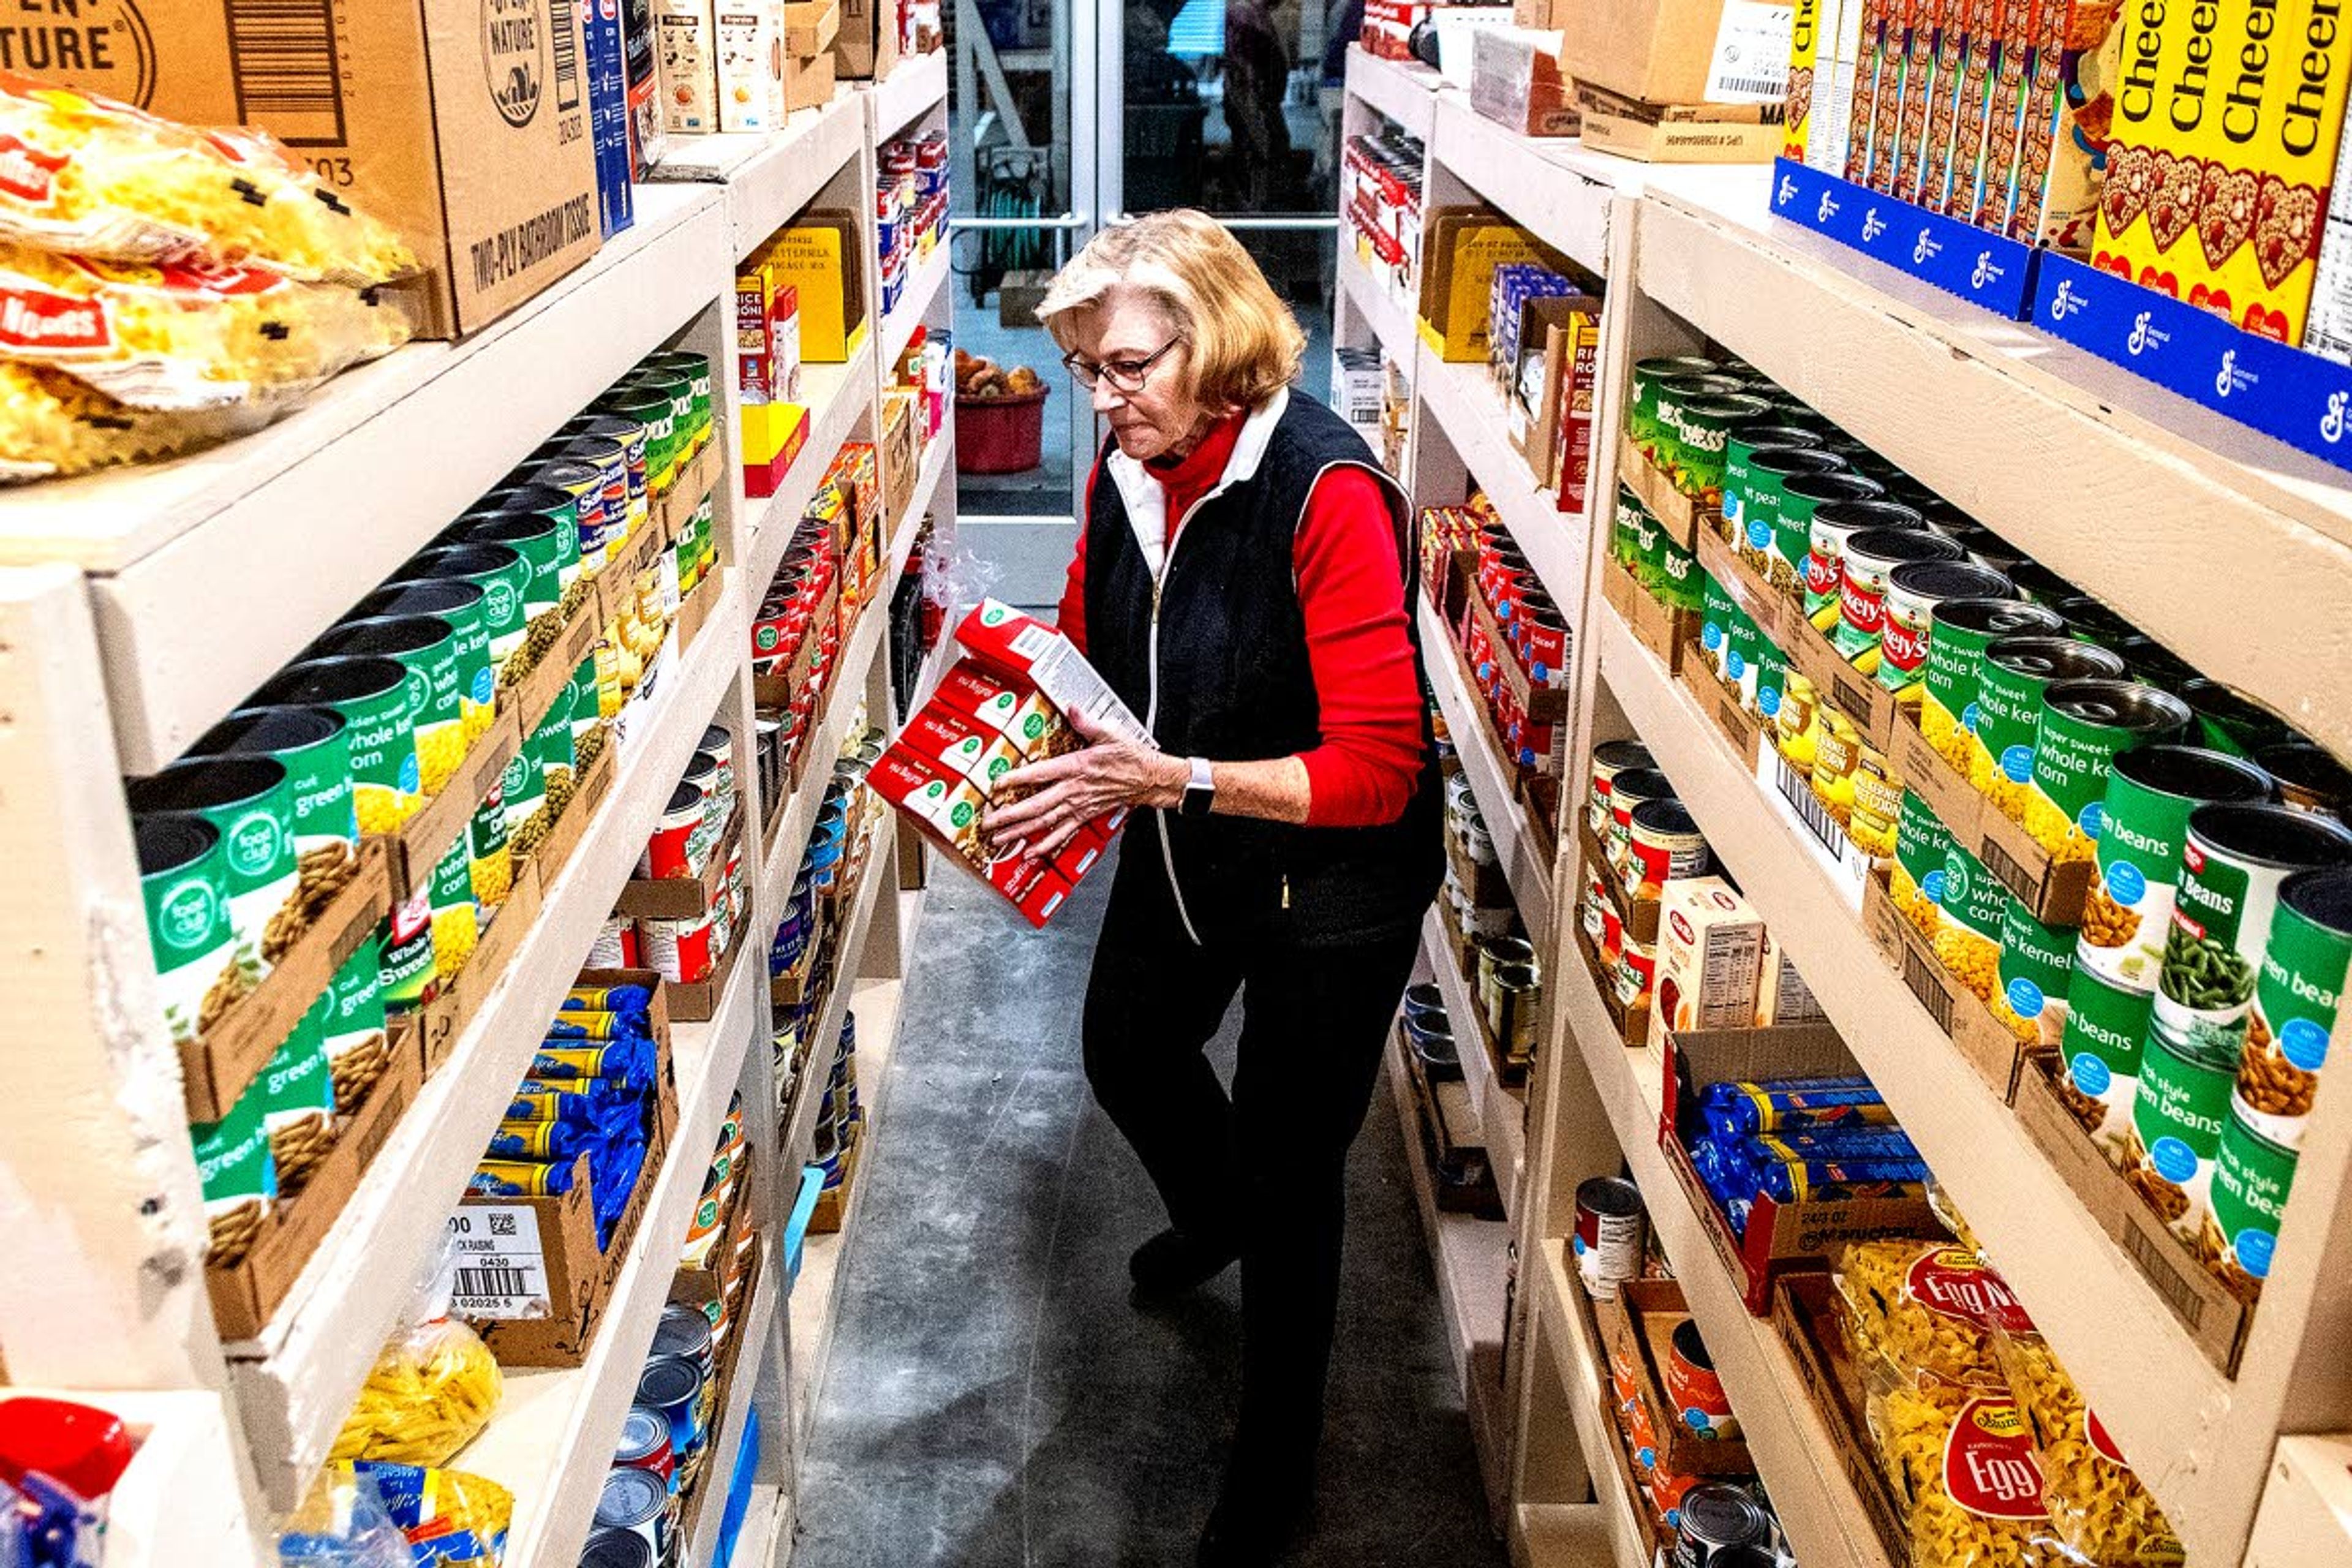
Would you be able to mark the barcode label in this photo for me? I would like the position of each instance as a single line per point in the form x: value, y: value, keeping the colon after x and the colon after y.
x: 283, y: 66
x: 1847, y: 867
x: 1761, y: 86
x: 2155, y: 1266
x: 567, y: 55
x: 1798, y: 793
x: 1925, y: 985
x: 497, y: 1268
x: 2007, y: 871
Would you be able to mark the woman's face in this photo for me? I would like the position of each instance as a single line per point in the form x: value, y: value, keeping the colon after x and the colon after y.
x: 1128, y: 326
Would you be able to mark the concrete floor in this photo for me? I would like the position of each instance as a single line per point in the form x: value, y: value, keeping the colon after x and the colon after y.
x: 993, y: 1400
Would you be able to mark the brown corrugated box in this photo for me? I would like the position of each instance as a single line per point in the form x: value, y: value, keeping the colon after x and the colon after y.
x: 464, y: 125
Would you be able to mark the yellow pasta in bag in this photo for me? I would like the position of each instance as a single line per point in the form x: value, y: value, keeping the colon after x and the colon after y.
x: 1965, y: 1478
x: 2096, y: 1506
x: 52, y: 426
x: 91, y: 177
x: 1929, y: 1307
x: 433, y: 1390
x: 176, y: 337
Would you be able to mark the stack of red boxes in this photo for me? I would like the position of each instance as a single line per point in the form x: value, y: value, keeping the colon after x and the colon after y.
x: 797, y: 630
x: 1388, y: 25
x: 1007, y: 703
x: 1531, y: 656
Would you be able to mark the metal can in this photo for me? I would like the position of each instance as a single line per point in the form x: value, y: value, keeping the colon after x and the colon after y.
x: 683, y: 951
x: 183, y: 878
x: 1704, y: 426
x: 1716, y: 610
x: 1916, y: 883
x: 683, y: 1331
x: 667, y: 853
x: 1912, y: 592
x: 2037, y: 967
x: 1835, y: 522
x: 1757, y: 459
x: 1637, y: 972
x: 249, y: 801
x: 2253, y: 1175
x: 1628, y: 788
x: 2232, y: 864
x: 1649, y: 375
x: 2232, y: 721
x: 2013, y: 676
x: 1495, y: 954
x: 2143, y: 822
x: 673, y: 1384
x: 1612, y: 1225
x: 1693, y: 1389
x: 2177, y: 1119
x: 1717, y: 1520
x: 1800, y: 496
x: 2309, y: 779
x: 636, y: 1502
x: 1959, y: 632
x: 2084, y: 726
x: 616, y: 1549
x: 1667, y: 844
x: 1967, y: 937
x: 645, y: 1445
x: 2297, y: 996
x: 1512, y: 1015
x: 2043, y: 586
x: 1871, y: 556
x: 2100, y: 1054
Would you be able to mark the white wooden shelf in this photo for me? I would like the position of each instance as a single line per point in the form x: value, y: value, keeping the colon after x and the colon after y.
x: 1524, y: 865
x: 1578, y: 1360
x: 914, y: 85
x: 915, y: 301
x: 1469, y: 413
x: 1390, y: 316
x: 551, y: 1442
x: 937, y: 460
x: 1404, y: 90
x: 2198, y: 1447
x: 1577, y: 1535
x: 1555, y: 190
x: 1470, y: 1256
x: 296, y: 1382
x: 839, y: 398
x: 1787, y: 1437
x: 292, y: 526
x: 1501, y: 1117
x: 755, y: 1327
x: 770, y: 179
x: 2223, y: 530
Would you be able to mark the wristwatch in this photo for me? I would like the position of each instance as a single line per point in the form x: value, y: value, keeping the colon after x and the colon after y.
x: 1200, y: 793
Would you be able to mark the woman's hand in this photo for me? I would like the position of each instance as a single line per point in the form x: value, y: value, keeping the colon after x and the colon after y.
x: 1071, y: 791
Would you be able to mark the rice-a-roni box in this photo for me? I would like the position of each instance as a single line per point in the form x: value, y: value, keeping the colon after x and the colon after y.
x: 1006, y: 703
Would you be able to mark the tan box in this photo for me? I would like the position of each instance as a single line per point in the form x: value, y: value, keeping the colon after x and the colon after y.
x: 1710, y: 950
x: 1637, y: 1331
x: 868, y: 43
x: 1661, y: 630
x: 1982, y: 1039
x: 1515, y: 82
x: 1677, y: 51
x: 1679, y: 133
x: 1783, y: 1000
x: 810, y: 27
x: 463, y: 125
x: 808, y: 84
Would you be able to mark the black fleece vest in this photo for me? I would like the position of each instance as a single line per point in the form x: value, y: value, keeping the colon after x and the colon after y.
x: 1234, y: 685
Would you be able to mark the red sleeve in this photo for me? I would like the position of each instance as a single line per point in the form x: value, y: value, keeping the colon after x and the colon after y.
x: 1351, y: 591
x: 1072, y: 616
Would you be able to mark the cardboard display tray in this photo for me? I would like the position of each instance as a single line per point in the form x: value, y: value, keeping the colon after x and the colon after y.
x: 1982, y: 1038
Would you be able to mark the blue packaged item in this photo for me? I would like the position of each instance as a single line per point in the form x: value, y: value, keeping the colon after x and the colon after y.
x: 624, y: 1065
x: 1742, y: 1110
x: 520, y: 1179
x: 584, y: 1024
x: 1795, y: 1180
x: 540, y: 1140
x: 630, y: 999
x: 451, y: 1520
x: 546, y: 1102
x: 608, y: 112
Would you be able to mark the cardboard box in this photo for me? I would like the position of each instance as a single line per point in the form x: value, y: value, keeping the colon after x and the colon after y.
x: 808, y: 83
x: 1636, y: 1330
x: 1780, y: 1237
x: 819, y: 257
x: 751, y: 66
x: 424, y: 838
x: 1003, y: 638
x: 2054, y: 890
x: 1683, y: 517
x: 441, y: 1023
x: 1804, y: 1313
x: 1679, y: 133
x: 772, y: 437
x: 810, y: 28
x: 1515, y: 82
x: 215, y: 1068
x: 833, y: 1204
x: 1461, y: 247
x: 868, y: 44
x: 244, y: 1297
x: 686, y: 50
x: 1710, y: 946
x: 696, y: 1000
x: 1661, y: 630
x: 2215, y: 1320
x: 1721, y: 704
x: 465, y: 127
x: 1451, y: 1141
x: 684, y: 898
x: 1553, y: 331
x: 1678, y: 51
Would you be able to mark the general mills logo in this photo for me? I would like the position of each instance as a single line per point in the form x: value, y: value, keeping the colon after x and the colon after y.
x: 1872, y: 227
x: 514, y: 57
x: 2065, y: 302
x: 2137, y: 343
x: 1827, y: 209
x: 1787, y: 193
x: 2331, y: 423
x: 1984, y: 271
x: 1922, y: 247
x: 2225, y: 379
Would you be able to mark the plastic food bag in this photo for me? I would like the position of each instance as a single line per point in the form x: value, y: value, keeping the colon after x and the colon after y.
x: 1965, y: 1477
x: 433, y: 1390
x: 342, y: 1523
x: 178, y: 337
x: 2096, y: 1506
x: 450, y: 1519
x: 1915, y: 1307
x: 52, y: 426
x: 90, y: 176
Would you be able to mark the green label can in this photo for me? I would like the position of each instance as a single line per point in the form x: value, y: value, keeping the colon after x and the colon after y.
x: 427, y: 650
x: 373, y: 694
x: 456, y: 925
x: 1625, y: 532
x: 587, y: 698
x: 357, y: 1052
x: 2037, y: 963
x: 532, y: 536
x: 2252, y: 1177
x: 2231, y: 722
x: 1772, y: 681
x: 521, y: 788
x: 1757, y: 533
x: 1921, y: 845
x: 2231, y: 863
x: 1717, y: 607
x: 2015, y: 673
x: 2142, y: 822
x: 1907, y: 629
x: 297, y: 1099
x: 1678, y: 587
x: 313, y: 745
x: 501, y: 573
x: 2106, y: 1030
x: 1740, y: 445
x: 1704, y: 426
x: 2177, y: 1119
x: 559, y: 506
x: 461, y: 604
x: 490, y: 867
x: 1745, y: 641
x: 238, y: 1181
x: 183, y: 881
x: 2297, y: 996
x: 407, y: 974
x: 1642, y: 416
x: 2085, y: 725
x: 1959, y: 632
x: 1967, y: 938
x: 551, y: 743
x: 250, y: 801
x: 1800, y: 496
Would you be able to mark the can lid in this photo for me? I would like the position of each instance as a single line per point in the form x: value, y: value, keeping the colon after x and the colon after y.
x: 2309, y: 767
x: 335, y: 677
x: 1621, y: 755
x: 1772, y: 436
x: 631, y: 1497
x: 1719, y: 1515
x: 527, y: 498
x: 2323, y: 896
x: 1900, y: 544
x: 1665, y: 815
x: 668, y: 1380
x: 2042, y: 585
x: 2119, y: 704
x: 2236, y: 712
x: 1690, y: 1346
x: 1797, y: 461
x: 462, y: 561
x: 2274, y: 836
x: 1639, y: 785
x: 384, y: 635
x: 497, y: 527
x: 198, y: 783
x: 616, y: 1549
x: 2194, y: 772
x: 717, y: 738
x: 645, y: 1432
x: 682, y: 1331
x: 2054, y: 658
x: 1998, y: 618
x: 685, y: 797
x: 422, y: 596
x: 1936, y: 580
x: 1612, y: 1196
x: 1856, y: 516
x: 169, y: 840
x: 2092, y: 621
x: 267, y: 731
x: 1832, y: 486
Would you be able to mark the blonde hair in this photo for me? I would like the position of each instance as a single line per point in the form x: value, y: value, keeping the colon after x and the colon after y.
x: 1245, y: 344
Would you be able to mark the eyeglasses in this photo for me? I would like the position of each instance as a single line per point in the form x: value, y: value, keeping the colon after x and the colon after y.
x: 1124, y: 374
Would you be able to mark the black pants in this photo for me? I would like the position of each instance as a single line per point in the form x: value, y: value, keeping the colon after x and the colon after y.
x: 1264, y: 1169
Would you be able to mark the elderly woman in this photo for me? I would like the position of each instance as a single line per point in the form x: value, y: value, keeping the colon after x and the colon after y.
x: 1243, y: 581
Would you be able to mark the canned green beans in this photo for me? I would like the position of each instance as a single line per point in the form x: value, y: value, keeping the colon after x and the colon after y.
x: 1959, y: 632
x: 2013, y: 676
x: 183, y: 880
x: 2144, y: 822
x: 2297, y: 996
x: 2106, y: 1032
x: 2177, y: 1119
x: 2085, y: 725
x: 2252, y: 1177
x: 250, y: 802
x: 2232, y: 864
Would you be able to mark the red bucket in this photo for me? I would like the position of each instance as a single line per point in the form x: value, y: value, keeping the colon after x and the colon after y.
x: 1000, y: 434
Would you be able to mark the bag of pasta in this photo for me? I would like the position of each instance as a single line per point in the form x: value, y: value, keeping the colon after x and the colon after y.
x: 88, y: 176
x: 1925, y: 1308
x: 451, y: 1520
x: 341, y: 1522
x: 52, y: 426
x: 180, y: 337
x: 2096, y: 1506
x: 433, y: 1390
x: 1964, y: 1475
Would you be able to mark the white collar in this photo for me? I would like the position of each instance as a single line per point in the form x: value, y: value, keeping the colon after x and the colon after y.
x: 1147, y: 497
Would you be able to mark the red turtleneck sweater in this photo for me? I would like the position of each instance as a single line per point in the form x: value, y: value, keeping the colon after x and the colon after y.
x: 1362, y: 769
